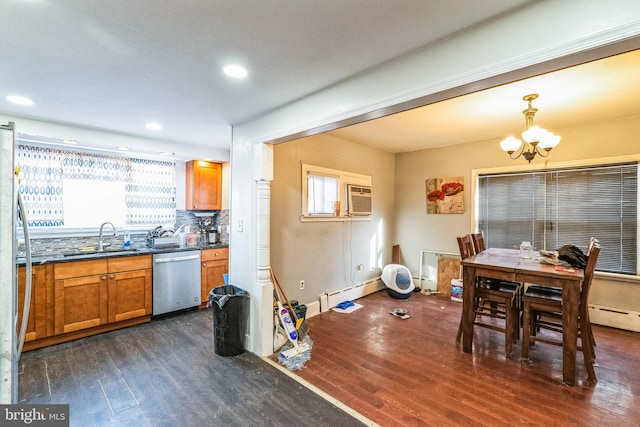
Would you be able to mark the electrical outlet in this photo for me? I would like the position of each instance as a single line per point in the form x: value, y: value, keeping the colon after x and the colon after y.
x: 359, y: 267
x: 301, y: 284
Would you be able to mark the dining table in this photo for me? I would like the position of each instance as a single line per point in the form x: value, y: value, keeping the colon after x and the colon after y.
x: 506, y: 264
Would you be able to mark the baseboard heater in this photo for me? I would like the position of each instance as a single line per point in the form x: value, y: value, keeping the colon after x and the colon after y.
x: 330, y: 299
x: 614, y: 317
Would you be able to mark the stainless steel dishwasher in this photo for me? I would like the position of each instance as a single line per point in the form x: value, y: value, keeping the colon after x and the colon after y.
x: 176, y: 281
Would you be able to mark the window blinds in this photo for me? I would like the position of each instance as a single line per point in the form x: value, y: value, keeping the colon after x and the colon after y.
x: 554, y: 208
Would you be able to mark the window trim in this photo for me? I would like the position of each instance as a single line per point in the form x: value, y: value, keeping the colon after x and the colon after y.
x: 547, y: 166
x: 344, y: 178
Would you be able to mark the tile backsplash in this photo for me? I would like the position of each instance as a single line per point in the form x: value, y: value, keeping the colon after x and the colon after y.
x: 55, y: 245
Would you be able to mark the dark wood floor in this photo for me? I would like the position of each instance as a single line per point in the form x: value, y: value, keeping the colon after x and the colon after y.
x: 394, y: 372
x: 412, y: 373
x: 166, y: 373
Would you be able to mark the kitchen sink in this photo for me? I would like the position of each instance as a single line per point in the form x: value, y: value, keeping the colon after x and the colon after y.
x: 105, y: 252
x: 110, y: 251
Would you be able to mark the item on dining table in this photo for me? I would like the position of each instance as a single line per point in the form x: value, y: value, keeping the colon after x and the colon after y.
x: 573, y: 256
x: 551, y: 257
x: 525, y: 249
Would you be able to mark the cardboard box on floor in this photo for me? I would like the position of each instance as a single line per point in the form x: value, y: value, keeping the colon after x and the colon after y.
x: 448, y: 268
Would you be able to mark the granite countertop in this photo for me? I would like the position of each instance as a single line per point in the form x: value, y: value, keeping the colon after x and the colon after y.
x: 79, y: 255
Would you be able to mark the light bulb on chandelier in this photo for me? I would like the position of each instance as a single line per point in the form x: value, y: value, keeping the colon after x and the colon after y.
x: 537, y: 140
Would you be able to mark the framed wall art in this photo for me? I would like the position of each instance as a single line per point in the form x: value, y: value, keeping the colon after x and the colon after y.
x: 445, y: 195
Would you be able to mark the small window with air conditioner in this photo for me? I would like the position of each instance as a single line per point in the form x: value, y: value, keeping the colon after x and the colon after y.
x: 330, y: 194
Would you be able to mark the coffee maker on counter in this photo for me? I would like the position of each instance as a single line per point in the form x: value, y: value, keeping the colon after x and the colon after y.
x: 208, y: 232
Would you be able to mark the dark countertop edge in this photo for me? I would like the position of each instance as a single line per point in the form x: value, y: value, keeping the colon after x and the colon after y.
x: 47, y: 259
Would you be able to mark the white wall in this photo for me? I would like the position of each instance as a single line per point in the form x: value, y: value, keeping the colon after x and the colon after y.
x: 326, y: 254
x: 539, y: 32
x: 415, y: 230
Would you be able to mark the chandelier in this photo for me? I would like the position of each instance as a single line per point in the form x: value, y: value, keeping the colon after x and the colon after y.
x: 537, y: 140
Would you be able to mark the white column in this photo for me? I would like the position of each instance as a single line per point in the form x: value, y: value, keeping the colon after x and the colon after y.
x: 264, y: 314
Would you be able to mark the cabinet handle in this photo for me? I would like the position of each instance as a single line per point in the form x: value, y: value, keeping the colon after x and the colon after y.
x: 112, y: 276
x: 104, y: 277
x: 217, y: 254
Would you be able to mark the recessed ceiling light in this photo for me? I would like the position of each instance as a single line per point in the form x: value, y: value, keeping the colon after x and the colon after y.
x: 123, y: 148
x: 20, y: 100
x: 235, y: 71
x: 153, y: 126
x: 164, y: 153
x: 69, y: 141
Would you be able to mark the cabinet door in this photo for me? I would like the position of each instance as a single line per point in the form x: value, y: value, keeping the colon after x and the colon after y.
x: 37, y: 324
x: 80, y: 303
x: 129, y: 295
x: 212, y: 272
x: 204, y: 185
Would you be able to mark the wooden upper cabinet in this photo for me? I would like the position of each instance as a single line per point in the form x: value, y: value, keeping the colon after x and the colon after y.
x: 204, y: 185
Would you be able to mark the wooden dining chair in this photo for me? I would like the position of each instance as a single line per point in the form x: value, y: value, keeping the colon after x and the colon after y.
x: 479, y: 244
x: 543, y: 311
x: 502, y: 299
x: 555, y: 293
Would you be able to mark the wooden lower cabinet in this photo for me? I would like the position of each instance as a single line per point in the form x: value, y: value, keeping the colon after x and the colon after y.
x: 88, y: 294
x: 129, y: 288
x: 215, y: 263
x: 37, y: 326
x: 80, y: 295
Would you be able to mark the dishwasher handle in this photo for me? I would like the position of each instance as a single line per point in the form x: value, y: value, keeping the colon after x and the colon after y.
x: 175, y: 259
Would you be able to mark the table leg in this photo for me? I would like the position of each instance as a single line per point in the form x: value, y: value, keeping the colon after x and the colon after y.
x: 468, y: 289
x: 570, y: 302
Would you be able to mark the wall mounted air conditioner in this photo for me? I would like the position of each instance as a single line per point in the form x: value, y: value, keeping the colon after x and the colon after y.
x: 359, y: 200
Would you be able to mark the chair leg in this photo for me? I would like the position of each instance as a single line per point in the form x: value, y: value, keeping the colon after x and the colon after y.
x: 593, y: 340
x: 587, y: 349
x: 515, y: 324
x: 526, y: 331
x: 459, y: 334
x: 508, y: 329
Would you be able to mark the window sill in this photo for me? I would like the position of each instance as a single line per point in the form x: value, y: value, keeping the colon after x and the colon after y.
x: 332, y: 218
x: 629, y: 278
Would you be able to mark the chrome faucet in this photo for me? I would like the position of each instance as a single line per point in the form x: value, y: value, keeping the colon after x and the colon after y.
x: 101, y: 244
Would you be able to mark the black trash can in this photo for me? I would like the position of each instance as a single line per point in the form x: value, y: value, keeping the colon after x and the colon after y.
x: 229, y: 304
